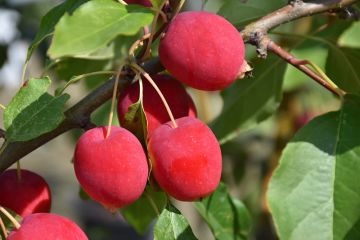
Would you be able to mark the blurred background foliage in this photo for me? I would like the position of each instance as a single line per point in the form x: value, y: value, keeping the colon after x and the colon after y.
x: 253, y: 126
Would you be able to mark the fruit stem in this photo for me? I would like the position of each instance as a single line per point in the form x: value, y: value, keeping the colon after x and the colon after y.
x: 24, y: 72
x: 2, y: 106
x: 111, y: 115
x: 79, y: 77
x: 122, y: 2
x: 3, y: 229
x: 11, y: 218
x: 151, y: 81
x: 153, y: 29
x: 18, y: 171
x: 137, y: 43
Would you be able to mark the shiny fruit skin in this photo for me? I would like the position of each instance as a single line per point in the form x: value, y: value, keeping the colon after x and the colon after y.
x: 175, y: 94
x: 186, y: 161
x: 202, y: 50
x: 46, y: 226
x: 29, y: 195
x: 112, y: 170
x: 145, y: 3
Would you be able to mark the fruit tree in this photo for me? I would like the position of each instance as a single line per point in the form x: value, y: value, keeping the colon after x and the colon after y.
x: 284, y: 72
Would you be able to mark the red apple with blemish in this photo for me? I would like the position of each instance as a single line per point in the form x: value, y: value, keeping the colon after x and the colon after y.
x: 113, y: 170
x: 186, y: 160
x: 27, y: 195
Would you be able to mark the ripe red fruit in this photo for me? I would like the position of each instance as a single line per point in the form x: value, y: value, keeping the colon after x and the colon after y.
x: 145, y: 3
x: 29, y: 195
x: 178, y: 99
x: 46, y: 226
x: 112, y: 170
x: 202, y: 50
x: 186, y: 161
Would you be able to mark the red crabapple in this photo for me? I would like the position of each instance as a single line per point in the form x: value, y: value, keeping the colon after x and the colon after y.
x: 30, y: 194
x: 178, y: 99
x: 113, y: 170
x: 46, y: 226
x: 202, y: 50
x: 145, y: 3
x: 186, y: 161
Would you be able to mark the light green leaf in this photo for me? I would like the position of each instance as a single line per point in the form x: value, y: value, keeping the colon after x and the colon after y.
x: 141, y: 213
x: 227, y: 217
x: 49, y: 21
x: 350, y: 38
x: 251, y: 100
x: 171, y: 225
x: 240, y: 13
x: 33, y: 112
x: 94, y: 25
x: 314, y: 193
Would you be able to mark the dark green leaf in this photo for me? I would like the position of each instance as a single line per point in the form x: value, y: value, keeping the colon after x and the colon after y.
x: 172, y: 225
x: 135, y: 118
x: 241, y: 12
x: 83, y: 195
x: 33, y: 111
x: 313, y: 193
x: 227, y: 217
x: 49, y: 21
x: 343, y: 68
x: 94, y: 25
x: 251, y: 100
x: 141, y: 213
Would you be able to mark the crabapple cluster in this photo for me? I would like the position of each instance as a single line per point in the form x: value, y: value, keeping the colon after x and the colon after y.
x: 184, y: 154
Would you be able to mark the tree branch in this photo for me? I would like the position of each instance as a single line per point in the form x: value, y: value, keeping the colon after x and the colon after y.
x: 255, y: 33
x: 77, y: 116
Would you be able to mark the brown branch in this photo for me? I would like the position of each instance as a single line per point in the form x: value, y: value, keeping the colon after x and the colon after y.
x: 77, y: 116
x: 256, y: 32
x: 300, y: 64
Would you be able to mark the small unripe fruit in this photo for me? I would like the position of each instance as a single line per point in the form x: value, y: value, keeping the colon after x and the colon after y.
x: 176, y: 96
x: 186, y: 161
x: 202, y: 50
x: 112, y: 170
x: 145, y: 3
x: 46, y: 226
x: 30, y: 194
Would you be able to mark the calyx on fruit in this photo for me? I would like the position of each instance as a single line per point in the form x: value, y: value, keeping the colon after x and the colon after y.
x: 112, y: 170
x: 202, y: 50
x: 27, y: 195
x: 176, y: 96
x: 186, y: 161
x: 47, y: 226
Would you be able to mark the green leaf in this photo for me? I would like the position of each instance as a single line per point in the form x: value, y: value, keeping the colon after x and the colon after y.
x: 171, y: 225
x: 94, y: 25
x: 240, y: 13
x: 33, y: 112
x: 350, y: 38
x: 49, y: 21
x: 227, y: 217
x: 314, y: 193
x: 342, y: 67
x: 135, y: 118
x: 141, y: 213
x: 251, y: 100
